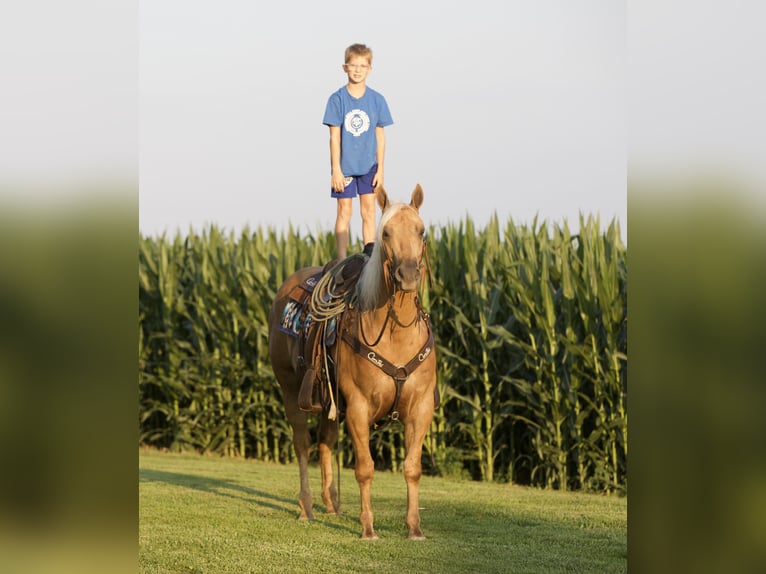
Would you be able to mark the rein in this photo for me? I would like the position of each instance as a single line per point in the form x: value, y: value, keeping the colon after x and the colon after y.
x: 391, y: 314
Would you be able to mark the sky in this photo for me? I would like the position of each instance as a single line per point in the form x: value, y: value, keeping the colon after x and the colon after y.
x: 515, y: 108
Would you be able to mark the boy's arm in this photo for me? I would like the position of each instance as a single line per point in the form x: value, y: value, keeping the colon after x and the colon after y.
x: 338, y: 183
x: 380, y: 136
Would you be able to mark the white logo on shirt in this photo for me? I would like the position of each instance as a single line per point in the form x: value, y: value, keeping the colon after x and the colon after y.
x: 357, y: 122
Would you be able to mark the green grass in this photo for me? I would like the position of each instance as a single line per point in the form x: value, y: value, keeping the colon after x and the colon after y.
x: 209, y: 514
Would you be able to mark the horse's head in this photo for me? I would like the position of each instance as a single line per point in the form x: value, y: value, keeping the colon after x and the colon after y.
x: 401, y: 238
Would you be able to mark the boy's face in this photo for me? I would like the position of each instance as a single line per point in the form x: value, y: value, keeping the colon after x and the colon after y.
x: 357, y: 69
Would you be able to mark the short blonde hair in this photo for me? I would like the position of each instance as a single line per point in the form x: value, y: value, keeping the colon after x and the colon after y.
x: 358, y: 50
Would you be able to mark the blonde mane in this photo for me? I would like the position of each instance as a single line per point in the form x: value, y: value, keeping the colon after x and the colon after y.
x: 371, y: 289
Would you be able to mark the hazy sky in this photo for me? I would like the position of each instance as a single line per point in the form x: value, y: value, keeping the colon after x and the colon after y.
x: 509, y: 106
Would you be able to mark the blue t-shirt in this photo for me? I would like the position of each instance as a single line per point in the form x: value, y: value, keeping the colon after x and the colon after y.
x: 358, y: 118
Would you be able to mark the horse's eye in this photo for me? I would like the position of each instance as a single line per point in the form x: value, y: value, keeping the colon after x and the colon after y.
x: 385, y: 234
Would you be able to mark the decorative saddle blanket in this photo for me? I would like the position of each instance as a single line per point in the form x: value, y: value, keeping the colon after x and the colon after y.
x: 296, y: 310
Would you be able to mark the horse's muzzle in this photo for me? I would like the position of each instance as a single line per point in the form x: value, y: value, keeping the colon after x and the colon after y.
x: 407, y: 275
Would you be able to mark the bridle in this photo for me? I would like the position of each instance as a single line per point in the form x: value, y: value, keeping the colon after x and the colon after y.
x: 390, y: 282
x: 358, y: 341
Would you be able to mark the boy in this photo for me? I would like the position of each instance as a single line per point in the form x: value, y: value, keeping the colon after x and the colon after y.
x: 356, y: 116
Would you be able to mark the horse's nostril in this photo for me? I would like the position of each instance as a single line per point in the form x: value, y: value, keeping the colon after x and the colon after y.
x: 407, y: 272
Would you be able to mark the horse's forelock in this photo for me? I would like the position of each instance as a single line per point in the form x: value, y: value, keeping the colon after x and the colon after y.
x: 392, y: 210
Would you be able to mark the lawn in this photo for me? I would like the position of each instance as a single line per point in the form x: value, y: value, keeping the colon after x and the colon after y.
x: 201, y: 514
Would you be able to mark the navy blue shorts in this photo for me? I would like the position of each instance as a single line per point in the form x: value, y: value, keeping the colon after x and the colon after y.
x: 357, y: 185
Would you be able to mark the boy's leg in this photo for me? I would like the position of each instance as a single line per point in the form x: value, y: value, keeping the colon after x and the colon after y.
x: 367, y: 207
x: 342, y: 221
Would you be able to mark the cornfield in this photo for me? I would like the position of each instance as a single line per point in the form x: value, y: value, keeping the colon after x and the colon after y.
x: 530, y: 324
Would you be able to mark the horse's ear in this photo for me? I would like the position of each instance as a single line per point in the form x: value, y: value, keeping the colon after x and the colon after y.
x: 417, y: 197
x: 382, y: 197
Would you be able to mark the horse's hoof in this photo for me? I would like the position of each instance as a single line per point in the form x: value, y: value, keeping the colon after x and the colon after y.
x: 304, y: 516
x: 416, y: 537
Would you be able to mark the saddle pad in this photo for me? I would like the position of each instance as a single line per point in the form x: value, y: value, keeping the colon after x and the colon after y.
x: 296, y: 319
x: 290, y: 322
x: 293, y: 314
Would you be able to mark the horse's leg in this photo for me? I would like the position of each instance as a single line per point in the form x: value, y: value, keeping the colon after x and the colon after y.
x: 415, y: 430
x: 301, y: 443
x: 328, y: 437
x: 357, y: 425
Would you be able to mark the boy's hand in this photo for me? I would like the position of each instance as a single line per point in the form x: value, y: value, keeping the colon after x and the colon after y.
x: 338, y: 182
x: 377, y: 181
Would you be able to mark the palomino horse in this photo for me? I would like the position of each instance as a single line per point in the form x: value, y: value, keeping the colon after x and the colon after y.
x: 384, y: 359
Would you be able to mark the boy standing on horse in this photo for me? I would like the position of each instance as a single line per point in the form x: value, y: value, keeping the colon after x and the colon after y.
x: 356, y: 116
